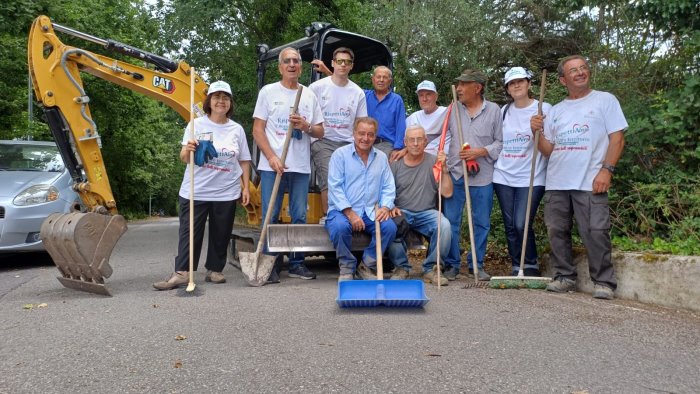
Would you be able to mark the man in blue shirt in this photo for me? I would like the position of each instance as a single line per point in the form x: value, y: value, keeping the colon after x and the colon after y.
x: 388, y: 108
x: 359, y: 178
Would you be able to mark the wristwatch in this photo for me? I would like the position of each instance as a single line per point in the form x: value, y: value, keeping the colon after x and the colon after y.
x: 609, y: 168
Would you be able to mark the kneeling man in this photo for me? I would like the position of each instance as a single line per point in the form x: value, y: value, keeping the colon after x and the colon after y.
x: 358, y: 179
x: 416, y: 199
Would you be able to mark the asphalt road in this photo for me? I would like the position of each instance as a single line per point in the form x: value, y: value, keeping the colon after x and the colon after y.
x: 292, y: 337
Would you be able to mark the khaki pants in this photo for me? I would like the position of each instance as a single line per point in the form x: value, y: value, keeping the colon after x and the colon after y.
x: 593, y: 219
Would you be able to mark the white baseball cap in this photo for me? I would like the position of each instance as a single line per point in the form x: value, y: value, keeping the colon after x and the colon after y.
x: 219, y: 86
x: 516, y: 73
x: 426, y: 85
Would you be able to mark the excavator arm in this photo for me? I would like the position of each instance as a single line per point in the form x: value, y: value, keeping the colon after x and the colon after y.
x: 80, y: 243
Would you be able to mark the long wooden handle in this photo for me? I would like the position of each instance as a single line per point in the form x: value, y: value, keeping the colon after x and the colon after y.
x: 378, y: 243
x: 439, y: 222
x: 466, y: 187
x: 532, y: 177
x: 191, y: 178
x: 278, y: 178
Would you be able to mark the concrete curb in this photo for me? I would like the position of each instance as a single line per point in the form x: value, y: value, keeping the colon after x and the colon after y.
x: 665, y: 280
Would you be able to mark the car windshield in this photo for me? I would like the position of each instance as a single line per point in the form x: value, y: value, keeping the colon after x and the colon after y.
x: 29, y: 157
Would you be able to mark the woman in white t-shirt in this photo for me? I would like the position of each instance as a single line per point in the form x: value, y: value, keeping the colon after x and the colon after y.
x: 511, y: 176
x: 220, y: 178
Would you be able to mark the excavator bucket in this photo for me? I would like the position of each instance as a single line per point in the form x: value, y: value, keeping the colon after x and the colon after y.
x: 80, y: 245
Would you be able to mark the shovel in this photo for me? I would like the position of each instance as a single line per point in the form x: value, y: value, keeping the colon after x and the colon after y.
x: 372, y: 293
x: 257, y: 266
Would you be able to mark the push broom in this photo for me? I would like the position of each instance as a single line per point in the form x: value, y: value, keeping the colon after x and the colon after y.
x: 522, y: 281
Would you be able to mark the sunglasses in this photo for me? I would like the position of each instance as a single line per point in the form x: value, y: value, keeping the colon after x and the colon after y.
x: 291, y: 60
x: 344, y: 62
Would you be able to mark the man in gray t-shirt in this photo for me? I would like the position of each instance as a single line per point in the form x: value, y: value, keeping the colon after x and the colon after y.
x: 416, y: 199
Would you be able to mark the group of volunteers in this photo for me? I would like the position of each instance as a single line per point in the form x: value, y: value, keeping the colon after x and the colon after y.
x: 372, y: 163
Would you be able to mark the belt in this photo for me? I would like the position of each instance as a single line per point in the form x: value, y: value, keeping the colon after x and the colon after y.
x: 379, y: 140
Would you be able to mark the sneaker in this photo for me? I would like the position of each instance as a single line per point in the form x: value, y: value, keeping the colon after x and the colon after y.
x: 451, y: 273
x: 562, y: 285
x: 344, y: 277
x: 365, y: 272
x: 532, y: 272
x: 322, y: 220
x: 176, y: 280
x: 602, y: 292
x: 432, y: 277
x: 301, y: 272
x: 399, y: 274
x: 483, y: 276
x: 527, y: 272
x: 274, y: 277
x: 215, y: 277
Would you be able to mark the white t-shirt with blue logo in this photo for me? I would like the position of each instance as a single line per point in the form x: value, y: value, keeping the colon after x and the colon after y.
x: 219, y: 178
x: 273, y: 106
x: 515, y: 160
x: 579, y: 130
x: 432, y: 124
x: 340, y: 106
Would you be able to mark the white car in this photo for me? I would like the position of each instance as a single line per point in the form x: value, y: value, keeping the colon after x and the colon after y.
x: 34, y: 183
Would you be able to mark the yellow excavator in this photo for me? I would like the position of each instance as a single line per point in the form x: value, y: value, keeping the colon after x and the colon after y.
x: 80, y: 243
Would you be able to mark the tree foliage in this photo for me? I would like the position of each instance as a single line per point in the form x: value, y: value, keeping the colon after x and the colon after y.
x: 646, y: 52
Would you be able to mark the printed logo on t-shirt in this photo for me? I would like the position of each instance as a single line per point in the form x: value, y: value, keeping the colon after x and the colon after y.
x: 339, y: 119
x: 282, y: 126
x: 221, y: 163
x: 575, y: 138
x: 517, y: 147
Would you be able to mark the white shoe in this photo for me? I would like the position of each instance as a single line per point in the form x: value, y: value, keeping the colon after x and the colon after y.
x: 322, y: 220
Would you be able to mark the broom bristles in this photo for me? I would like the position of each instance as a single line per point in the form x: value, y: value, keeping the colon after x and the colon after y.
x: 514, y: 282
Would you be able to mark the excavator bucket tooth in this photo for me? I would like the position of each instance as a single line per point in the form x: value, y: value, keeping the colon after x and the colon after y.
x: 90, y: 287
x: 80, y: 245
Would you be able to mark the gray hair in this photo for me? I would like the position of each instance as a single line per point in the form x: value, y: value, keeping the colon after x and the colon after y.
x: 414, y: 127
x: 391, y: 74
x: 279, y: 58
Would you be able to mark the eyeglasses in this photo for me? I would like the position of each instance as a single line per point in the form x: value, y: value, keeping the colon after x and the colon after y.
x: 291, y: 60
x: 366, y: 135
x: 575, y: 71
x: 344, y: 62
x: 415, y: 140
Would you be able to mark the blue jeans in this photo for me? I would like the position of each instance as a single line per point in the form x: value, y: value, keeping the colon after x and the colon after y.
x: 513, y: 202
x: 297, y: 185
x: 425, y: 223
x: 340, y: 232
x: 482, y: 203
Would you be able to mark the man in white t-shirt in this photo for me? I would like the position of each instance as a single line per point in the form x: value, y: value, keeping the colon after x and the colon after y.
x: 341, y: 102
x: 271, y: 119
x: 430, y: 117
x: 584, y: 139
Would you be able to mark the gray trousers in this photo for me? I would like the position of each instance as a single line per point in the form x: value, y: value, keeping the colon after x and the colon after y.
x: 593, y: 219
